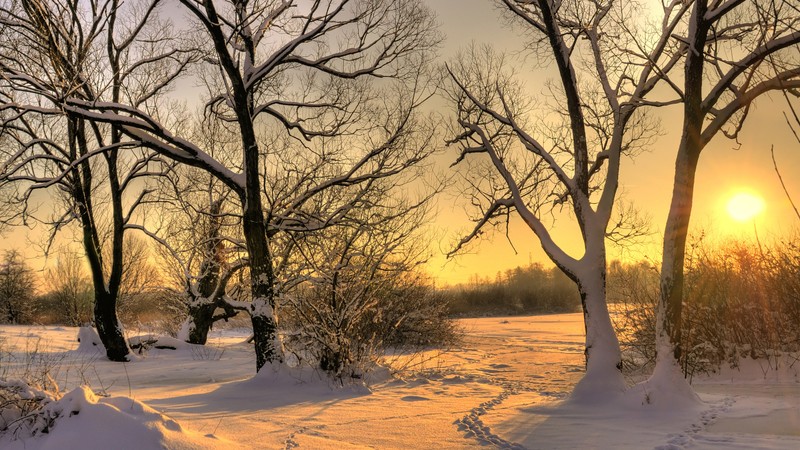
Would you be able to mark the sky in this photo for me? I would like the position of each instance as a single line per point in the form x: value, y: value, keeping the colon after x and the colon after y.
x: 725, y: 169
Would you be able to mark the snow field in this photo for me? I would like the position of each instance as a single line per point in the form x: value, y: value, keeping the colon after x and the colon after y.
x: 503, y: 388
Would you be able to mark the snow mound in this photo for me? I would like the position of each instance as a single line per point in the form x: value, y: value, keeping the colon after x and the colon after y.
x: 666, y: 389
x: 82, y: 420
x: 598, y: 388
x: 89, y: 341
x: 186, y: 329
x: 281, y: 378
x: 148, y: 341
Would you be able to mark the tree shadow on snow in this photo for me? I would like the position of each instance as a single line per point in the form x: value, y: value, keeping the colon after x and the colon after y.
x: 266, y: 390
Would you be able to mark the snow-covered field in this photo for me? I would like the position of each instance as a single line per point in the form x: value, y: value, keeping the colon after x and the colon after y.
x: 502, y: 388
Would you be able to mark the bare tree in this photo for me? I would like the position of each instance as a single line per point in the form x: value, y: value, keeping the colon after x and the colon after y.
x: 530, y: 167
x: 96, y: 51
x: 71, y: 289
x: 17, y: 287
x: 208, y: 293
x: 357, y: 289
x: 740, y: 51
x: 307, y: 68
x: 198, y: 239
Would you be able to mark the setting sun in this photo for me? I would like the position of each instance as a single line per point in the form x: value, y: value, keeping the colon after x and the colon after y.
x: 745, y: 205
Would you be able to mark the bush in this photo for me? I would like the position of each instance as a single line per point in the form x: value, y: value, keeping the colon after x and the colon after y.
x: 740, y: 301
x: 632, y: 294
x: 345, y: 327
x: 23, y: 411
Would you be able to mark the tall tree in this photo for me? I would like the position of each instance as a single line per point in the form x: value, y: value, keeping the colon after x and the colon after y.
x: 528, y: 167
x: 741, y: 50
x: 96, y: 51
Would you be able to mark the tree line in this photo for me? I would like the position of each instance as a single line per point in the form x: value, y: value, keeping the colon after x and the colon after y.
x: 533, y: 289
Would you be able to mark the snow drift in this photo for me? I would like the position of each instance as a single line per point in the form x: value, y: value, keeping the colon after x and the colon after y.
x: 80, y: 419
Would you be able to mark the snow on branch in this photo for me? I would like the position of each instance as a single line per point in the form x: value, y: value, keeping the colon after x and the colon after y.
x: 141, y: 126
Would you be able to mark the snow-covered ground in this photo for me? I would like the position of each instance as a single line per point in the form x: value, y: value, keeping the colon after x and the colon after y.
x: 502, y: 388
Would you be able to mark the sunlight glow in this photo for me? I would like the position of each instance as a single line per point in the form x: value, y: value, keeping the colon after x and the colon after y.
x: 744, y: 206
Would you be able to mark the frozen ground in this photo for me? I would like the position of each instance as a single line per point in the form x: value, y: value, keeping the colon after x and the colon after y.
x: 502, y: 389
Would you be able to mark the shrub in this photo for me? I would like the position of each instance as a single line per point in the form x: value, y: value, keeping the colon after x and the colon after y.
x: 345, y: 327
x: 23, y: 410
x: 740, y: 301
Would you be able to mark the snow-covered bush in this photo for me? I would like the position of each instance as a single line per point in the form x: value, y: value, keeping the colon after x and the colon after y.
x: 81, y: 419
x: 27, y: 384
x: 23, y: 411
x: 346, y: 327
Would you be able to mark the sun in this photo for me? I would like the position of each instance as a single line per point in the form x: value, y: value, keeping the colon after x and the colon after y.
x: 743, y: 206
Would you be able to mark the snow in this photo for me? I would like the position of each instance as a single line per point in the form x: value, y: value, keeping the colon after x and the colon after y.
x: 505, y: 386
x: 84, y: 420
x: 187, y: 327
x: 89, y: 341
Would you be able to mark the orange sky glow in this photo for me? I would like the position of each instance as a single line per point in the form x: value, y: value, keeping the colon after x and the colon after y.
x: 726, y: 168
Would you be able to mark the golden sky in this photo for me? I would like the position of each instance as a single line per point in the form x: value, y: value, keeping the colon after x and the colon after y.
x: 725, y: 169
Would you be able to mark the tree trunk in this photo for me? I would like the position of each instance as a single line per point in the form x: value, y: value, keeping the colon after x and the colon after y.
x: 603, y: 377
x: 105, y: 302
x: 199, y: 323
x: 670, y: 306
x: 262, y: 280
x: 262, y: 309
x: 265, y: 337
x: 667, y: 385
x: 108, y: 328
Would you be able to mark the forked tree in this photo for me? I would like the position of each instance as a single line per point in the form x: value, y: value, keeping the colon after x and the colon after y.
x: 741, y: 50
x: 529, y: 165
x: 197, y: 238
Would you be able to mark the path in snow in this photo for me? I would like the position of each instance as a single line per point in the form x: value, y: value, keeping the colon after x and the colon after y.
x: 535, y: 361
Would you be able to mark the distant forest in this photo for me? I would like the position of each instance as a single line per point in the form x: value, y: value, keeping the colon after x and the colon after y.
x: 519, y: 291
